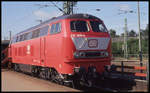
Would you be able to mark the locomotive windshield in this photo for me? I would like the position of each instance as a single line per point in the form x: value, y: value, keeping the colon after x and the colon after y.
x: 79, y: 26
x: 97, y: 26
x: 82, y: 26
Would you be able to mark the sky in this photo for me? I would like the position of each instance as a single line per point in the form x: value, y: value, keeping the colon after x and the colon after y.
x: 21, y: 15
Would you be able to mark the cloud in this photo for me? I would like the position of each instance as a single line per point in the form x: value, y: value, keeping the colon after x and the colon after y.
x: 124, y: 7
x: 43, y: 15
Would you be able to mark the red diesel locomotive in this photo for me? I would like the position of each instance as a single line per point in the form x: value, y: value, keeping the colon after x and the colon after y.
x: 70, y: 47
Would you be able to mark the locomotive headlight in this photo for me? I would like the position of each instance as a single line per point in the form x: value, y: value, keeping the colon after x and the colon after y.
x: 82, y: 54
x: 104, y: 54
x: 77, y: 54
x: 76, y: 69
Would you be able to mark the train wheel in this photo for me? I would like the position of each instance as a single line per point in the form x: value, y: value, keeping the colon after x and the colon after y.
x: 42, y: 73
x: 54, y: 76
x: 35, y: 71
x: 9, y: 65
x: 50, y: 74
x: 16, y: 67
x: 47, y: 73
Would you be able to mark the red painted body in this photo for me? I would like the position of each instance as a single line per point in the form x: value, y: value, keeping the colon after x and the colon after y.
x: 56, y: 50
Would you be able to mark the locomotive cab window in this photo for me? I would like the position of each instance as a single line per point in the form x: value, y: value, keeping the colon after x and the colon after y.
x: 79, y: 26
x: 25, y: 36
x: 56, y: 28
x: 35, y: 33
x: 21, y: 37
x: 44, y: 30
x: 97, y: 26
x: 29, y: 36
x: 17, y: 40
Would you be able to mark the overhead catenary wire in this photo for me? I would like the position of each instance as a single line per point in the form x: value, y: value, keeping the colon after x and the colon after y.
x: 27, y: 16
x: 58, y: 7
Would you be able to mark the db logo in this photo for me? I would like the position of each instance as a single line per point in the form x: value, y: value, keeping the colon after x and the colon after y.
x: 93, y: 43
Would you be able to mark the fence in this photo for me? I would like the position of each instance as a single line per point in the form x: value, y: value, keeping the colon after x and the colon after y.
x: 131, y: 56
x: 132, y: 69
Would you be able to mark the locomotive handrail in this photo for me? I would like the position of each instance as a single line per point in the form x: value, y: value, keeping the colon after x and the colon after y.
x: 5, y: 50
x: 5, y: 58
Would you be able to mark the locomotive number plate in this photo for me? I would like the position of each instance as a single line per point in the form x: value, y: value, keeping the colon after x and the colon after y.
x: 93, y: 43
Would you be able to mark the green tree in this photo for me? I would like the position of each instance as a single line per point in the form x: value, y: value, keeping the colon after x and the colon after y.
x: 117, y: 48
x: 133, y: 46
x: 145, y: 39
x: 122, y: 34
x: 112, y: 33
x: 133, y: 43
x: 144, y: 32
x: 132, y: 33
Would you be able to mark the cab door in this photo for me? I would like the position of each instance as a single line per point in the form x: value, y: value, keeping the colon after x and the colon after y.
x: 42, y: 51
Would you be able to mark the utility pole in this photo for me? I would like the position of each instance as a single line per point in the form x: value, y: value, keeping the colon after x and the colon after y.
x: 140, y: 50
x: 125, y: 41
x: 139, y: 28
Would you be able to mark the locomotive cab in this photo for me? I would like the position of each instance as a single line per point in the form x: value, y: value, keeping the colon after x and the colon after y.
x: 89, y: 48
x: 89, y: 41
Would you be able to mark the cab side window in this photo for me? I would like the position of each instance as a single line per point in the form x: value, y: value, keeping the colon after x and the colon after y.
x: 17, y: 40
x: 35, y: 33
x: 52, y: 29
x: 25, y: 36
x: 29, y: 36
x: 44, y: 30
x: 21, y: 37
x: 55, y: 28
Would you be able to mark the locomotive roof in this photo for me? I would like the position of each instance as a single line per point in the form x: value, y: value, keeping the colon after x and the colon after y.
x: 84, y: 16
